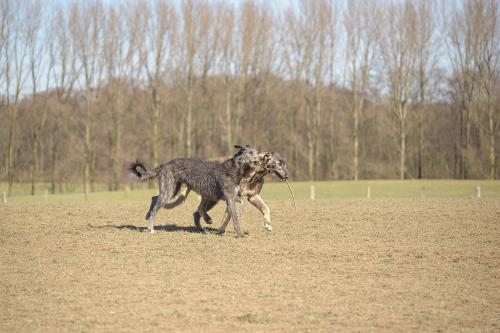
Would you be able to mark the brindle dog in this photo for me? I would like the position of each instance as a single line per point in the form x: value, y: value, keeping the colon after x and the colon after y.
x: 250, y: 187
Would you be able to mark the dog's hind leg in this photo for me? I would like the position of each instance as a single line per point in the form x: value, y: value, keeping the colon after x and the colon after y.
x: 153, y: 203
x: 179, y: 199
x: 153, y: 209
x: 225, y: 222
x: 202, y: 211
x: 257, y: 201
x: 196, y: 215
x: 209, y: 204
x: 167, y: 188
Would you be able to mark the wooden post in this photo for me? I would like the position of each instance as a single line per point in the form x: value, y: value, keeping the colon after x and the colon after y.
x: 369, y: 192
x: 422, y: 192
x: 313, y: 193
x: 4, y: 198
x: 478, y: 192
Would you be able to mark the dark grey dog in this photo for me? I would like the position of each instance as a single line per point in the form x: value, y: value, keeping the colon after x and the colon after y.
x: 213, y: 181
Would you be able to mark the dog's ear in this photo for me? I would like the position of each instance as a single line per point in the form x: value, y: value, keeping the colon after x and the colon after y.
x: 266, y: 157
x: 239, y: 152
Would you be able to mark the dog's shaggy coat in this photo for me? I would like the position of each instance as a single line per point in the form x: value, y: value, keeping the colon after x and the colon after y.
x: 212, y: 180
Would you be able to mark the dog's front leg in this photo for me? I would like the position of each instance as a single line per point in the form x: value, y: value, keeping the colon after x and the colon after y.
x: 234, y: 215
x: 227, y: 217
x: 257, y: 201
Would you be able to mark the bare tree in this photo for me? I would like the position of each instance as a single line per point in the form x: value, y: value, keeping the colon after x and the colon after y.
x: 156, y: 52
x: 226, y: 60
x: 398, y: 50
x: 39, y: 70
x: 361, y: 25
x: 463, y: 49
x: 190, y: 43
x: 318, y: 17
x: 15, y: 53
x: 86, y: 29
x: 487, y: 62
x: 426, y: 66
x: 119, y: 51
x: 209, y: 40
x: 63, y: 73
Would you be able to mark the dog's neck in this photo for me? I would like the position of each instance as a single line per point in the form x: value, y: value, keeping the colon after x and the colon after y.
x: 236, y: 169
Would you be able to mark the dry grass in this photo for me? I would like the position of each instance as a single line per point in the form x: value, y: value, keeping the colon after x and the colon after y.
x: 380, y: 265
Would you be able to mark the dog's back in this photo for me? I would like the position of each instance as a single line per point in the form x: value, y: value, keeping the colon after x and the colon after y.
x: 207, y: 178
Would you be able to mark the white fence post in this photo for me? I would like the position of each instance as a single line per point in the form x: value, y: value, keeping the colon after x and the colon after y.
x: 46, y: 195
x: 4, y: 198
x: 478, y: 192
x: 313, y: 193
x: 369, y: 192
x: 422, y: 192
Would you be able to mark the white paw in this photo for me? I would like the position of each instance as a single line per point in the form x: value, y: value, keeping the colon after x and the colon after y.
x: 268, y: 227
x: 152, y: 231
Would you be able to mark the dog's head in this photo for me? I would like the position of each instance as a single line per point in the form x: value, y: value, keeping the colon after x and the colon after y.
x: 247, y: 155
x: 274, y: 162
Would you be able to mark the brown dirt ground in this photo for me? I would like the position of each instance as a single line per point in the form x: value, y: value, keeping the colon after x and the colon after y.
x: 380, y: 265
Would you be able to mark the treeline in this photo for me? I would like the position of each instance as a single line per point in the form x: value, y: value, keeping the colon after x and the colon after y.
x: 358, y: 89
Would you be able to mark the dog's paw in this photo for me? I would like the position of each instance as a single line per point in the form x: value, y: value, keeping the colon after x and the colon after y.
x: 221, y: 231
x: 268, y: 227
x: 209, y: 221
x: 152, y: 231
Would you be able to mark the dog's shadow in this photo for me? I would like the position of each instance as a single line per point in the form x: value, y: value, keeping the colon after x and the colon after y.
x: 166, y: 228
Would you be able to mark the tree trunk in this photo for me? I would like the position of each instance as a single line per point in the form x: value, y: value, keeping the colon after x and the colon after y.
x: 317, y: 131
x: 116, y: 139
x: 53, y: 169
x: 492, y: 155
x: 34, y: 160
x: 402, y: 149
x: 88, y: 157
x: 310, y: 142
x: 155, y: 130
x: 10, y: 149
x: 229, y: 138
x: 332, y: 146
x: 240, y: 110
x: 356, y: 139
x: 464, y: 145
x: 420, y: 146
x: 189, y: 115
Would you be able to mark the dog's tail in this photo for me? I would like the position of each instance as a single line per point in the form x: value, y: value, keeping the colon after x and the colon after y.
x: 139, y: 172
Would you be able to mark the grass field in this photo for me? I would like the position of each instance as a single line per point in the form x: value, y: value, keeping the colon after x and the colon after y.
x: 340, y: 263
x: 275, y: 190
